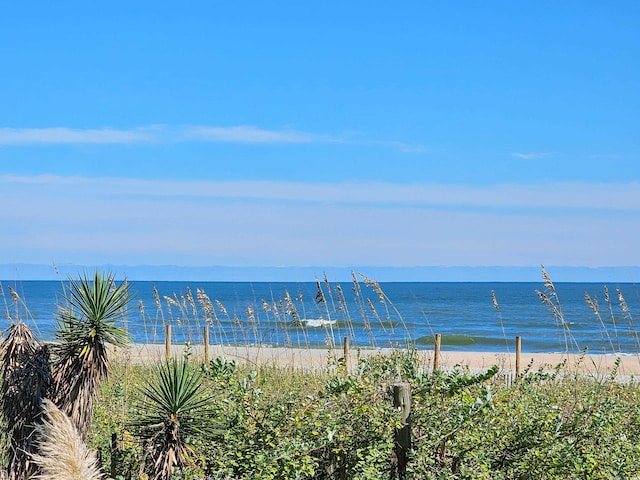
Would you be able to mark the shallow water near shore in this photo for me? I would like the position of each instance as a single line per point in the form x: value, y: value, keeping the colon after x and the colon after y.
x: 309, y: 314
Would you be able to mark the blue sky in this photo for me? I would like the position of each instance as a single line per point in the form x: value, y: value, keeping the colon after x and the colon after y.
x: 320, y: 133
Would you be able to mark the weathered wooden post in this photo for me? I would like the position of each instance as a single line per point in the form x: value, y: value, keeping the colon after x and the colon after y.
x: 345, y: 353
x: 206, y: 345
x: 436, y: 352
x: 402, y: 401
x: 518, y: 352
x: 114, y: 454
x: 167, y: 341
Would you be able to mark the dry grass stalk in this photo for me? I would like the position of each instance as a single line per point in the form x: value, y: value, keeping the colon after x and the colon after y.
x: 388, y: 306
x: 550, y: 298
x: 592, y: 303
x: 62, y: 455
x: 627, y: 313
x: 496, y: 305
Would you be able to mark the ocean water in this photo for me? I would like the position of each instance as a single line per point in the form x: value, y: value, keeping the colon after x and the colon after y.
x: 396, y: 314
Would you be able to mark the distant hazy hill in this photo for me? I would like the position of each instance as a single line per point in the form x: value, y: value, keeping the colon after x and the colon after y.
x: 275, y: 274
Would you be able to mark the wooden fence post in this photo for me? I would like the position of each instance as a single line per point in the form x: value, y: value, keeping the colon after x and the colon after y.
x: 518, y: 352
x: 345, y: 353
x: 167, y: 341
x: 206, y: 345
x: 114, y: 454
x: 402, y: 401
x: 436, y: 352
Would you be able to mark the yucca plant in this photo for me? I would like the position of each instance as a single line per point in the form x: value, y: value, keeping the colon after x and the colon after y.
x: 26, y: 380
x: 173, y: 409
x: 87, y: 325
x: 61, y: 452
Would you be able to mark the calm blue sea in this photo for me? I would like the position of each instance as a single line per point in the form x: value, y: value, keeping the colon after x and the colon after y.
x: 294, y: 314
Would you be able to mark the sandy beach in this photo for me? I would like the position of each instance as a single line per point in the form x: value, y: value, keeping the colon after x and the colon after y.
x: 310, y: 358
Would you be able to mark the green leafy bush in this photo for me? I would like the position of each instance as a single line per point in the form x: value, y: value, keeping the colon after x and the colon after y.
x: 282, y: 423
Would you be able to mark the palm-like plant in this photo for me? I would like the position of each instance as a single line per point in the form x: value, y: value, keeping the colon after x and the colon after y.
x: 26, y: 380
x: 87, y: 326
x: 174, y: 408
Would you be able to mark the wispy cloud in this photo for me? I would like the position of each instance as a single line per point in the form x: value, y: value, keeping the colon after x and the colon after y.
x: 70, y: 136
x: 163, y: 134
x: 622, y: 197
x: 154, y: 134
x: 248, y: 134
x: 128, y: 220
x: 532, y: 155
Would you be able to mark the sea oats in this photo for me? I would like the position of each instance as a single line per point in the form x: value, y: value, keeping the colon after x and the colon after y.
x: 592, y: 303
x: 623, y: 303
x: 276, y: 312
x: 375, y: 285
x: 290, y: 308
x: 190, y: 300
x: 341, y: 300
x: 547, y: 301
x: 356, y: 284
x: 171, y: 302
x: 221, y: 307
x: 319, y: 294
x: 14, y: 295
x: 156, y: 297
x: 205, y: 304
x: 183, y: 302
x: 494, y: 300
x: 547, y: 280
x: 265, y: 306
x: 372, y: 307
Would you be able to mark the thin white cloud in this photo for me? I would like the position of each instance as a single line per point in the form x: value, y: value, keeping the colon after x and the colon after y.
x: 127, y: 220
x: 70, y: 136
x: 248, y: 134
x: 532, y: 155
x: 75, y: 227
x: 162, y: 134
x: 400, y: 146
x: 588, y: 197
x: 153, y: 134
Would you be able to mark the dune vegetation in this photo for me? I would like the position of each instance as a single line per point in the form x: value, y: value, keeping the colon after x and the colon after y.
x: 71, y: 409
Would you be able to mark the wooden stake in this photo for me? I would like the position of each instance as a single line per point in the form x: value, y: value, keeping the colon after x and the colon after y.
x: 402, y: 437
x: 167, y: 341
x: 345, y: 353
x: 518, y: 352
x: 436, y: 352
x: 206, y: 345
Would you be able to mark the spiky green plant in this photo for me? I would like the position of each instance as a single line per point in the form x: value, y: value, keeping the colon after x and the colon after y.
x: 173, y: 408
x: 61, y: 452
x: 87, y: 325
x: 26, y: 380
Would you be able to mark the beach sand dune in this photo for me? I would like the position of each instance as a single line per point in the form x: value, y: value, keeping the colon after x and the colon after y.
x: 311, y: 358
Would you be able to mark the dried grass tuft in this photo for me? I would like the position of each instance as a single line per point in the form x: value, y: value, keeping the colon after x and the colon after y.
x: 62, y: 455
